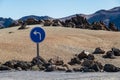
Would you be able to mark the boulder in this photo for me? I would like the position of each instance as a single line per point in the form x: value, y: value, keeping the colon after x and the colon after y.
x: 92, y: 65
x: 77, y: 69
x: 41, y: 21
x: 38, y: 61
x: 70, y: 24
x: 23, y: 26
x: 116, y: 51
x: 56, y: 61
x: 90, y: 57
x: 99, y: 26
x: 61, y: 68
x: 47, y: 22
x: 56, y: 23
x: 74, y: 61
x: 15, y: 64
x: 112, y: 27
x: 83, y: 55
x: 50, y: 68
x: 111, y: 68
x: 97, y: 66
x: 19, y: 68
x: 77, y: 22
x: 37, y: 67
x: 86, y: 69
x: 109, y: 54
x: 69, y: 70
x: 3, y: 68
x: 31, y: 21
x: 98, y: 51
x: 87, y: 63
x: 10, y: 63
x: 23, y: 65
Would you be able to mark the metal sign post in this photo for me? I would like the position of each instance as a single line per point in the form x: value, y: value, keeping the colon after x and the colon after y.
x: 37, y: 35
x: 38, y: 50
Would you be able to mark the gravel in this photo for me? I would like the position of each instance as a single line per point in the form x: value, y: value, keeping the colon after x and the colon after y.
x: 36, y: 75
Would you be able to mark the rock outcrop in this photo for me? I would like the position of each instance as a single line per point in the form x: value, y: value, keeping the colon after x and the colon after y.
x: 23, y: 26
x: 56, y: 22
x: 91, y: 65
x: 76, y: 22
x: 98, y: 50
x: 112, y: 27
x: 112, y: 53
x: 17, y: 65
x: 99, y: 26
x: 116, y: 51
x: 47, y: 22
x: 85, y: 62
x: 111, y: 68
x: 31, y: 21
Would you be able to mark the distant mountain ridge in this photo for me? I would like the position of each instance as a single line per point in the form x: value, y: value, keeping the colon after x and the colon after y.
x: 8, y: 22
x: 107, y: 16
x: 112, y: 15
x: 35, y: 17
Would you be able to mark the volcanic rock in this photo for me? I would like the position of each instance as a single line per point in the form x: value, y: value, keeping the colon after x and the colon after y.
x: 109, y: 54
x: 98, y: 51
x: 15, y: 64
x: 47, y: 22
x: 3, y: 68
x: 90, y: 57
x: 23, y: 26
x: 56, y: 61
x: 112, y: 27
x: 116, y: 51
x: 99, y: 26
x: 92, y: 65
x: 111, y: 68
x: 83, y: 54
x: 38, y: 60
x: 31, y: 21
x: 74, y: 61
x: 56, y: 23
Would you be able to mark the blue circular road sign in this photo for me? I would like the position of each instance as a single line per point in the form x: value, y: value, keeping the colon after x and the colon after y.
x: 37, y: 34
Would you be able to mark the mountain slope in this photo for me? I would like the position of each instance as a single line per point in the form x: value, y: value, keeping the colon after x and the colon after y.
x: 6, y: 22
x: 35, y: 17
x: 112, y: 15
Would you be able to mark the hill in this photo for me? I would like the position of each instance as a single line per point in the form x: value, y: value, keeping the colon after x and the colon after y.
x: 35, y: 17
x: 7, y: 22
x: 107, y: 16
x: 60, y: 41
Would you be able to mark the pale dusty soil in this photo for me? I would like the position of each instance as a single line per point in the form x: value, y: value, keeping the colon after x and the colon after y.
x: 63, y: 42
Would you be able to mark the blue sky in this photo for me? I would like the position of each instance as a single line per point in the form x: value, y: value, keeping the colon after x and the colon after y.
x: 54, y: 8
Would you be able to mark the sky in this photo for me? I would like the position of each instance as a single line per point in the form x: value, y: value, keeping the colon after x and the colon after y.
x: 53, y: 8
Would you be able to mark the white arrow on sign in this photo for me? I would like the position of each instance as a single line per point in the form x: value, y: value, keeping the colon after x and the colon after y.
x: 35, y: 33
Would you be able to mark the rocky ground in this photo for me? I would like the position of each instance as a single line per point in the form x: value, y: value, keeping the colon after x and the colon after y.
x: 61, y: 47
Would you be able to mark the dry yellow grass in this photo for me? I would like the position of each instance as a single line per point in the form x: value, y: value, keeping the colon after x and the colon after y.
x: 60, y: 41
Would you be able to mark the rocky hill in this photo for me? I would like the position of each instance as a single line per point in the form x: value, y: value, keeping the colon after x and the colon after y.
x: 35, y: 17
x: 112, y: 15
x: 107, y: 16
x: 7, y: 22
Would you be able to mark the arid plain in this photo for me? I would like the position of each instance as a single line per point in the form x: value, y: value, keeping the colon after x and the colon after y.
x: 60, y: 41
